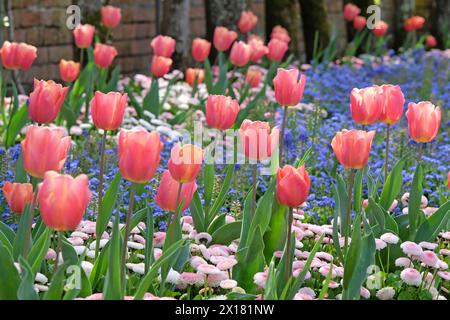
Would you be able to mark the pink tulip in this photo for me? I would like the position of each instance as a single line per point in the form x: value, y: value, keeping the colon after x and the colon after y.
x: 63, y: 200
x: 46, y: 100
x: 393, y: 103
x: 292, y: 186
x: 221, y: 112
x: 380, y: 29
x: 193, y: 74
x: 414, y: 23
x: 200, y: 49
x: 163, y: 46
x: 111, y: 16
x: 366, y: 105
x: 351, y: 12
x: 247, y: 21
x: 431, y: 41
x: 240, y: 54
x: 107, y: 109
x: 352, y: 147
x: 288, y: 87
x: 18, y: 195
x: 257, y: 141
x: 253, y: 77
x: 104, y: 55
x: 166, y: 197
x: 44, y: 149
x: 139, y: 154
x: 257, y: 49
x: 84, y: 35
x: 69, y: 70
x: 277, y: 49
x: 160, y: 66
x: 223, y: 38
x: 185, y: 162
x: 280, y: 33
x: 359, y: 23
x: 424, y: 120
x: 17, y: 55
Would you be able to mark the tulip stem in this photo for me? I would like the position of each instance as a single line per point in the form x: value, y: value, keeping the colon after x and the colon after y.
x: 386, y: 160
x: 283, y: 126
x: 288, y: 243
x: 58, y: 250
x: 419, y: 152
x: 26, y: 247
x: 100, y: 187
x: 177, y: 209
x: 351, y: 179
x: 127, y: 229
x: 255, y: 179
x: 81, y: 58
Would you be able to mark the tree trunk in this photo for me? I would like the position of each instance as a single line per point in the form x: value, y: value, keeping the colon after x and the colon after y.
x: 404, y: 9
x: 315, y: 19
x: 175, y: 23
x: 287, y: 14
x: 223, y: 13
x: 440, y: 11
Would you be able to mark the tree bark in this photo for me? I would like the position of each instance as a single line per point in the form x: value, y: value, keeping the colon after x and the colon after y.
x: 175, y: 23
x: 315, y: 19
x: 285, y: 13
x: 440, y: 11
x: 403, y: 10
x: 223, y: 13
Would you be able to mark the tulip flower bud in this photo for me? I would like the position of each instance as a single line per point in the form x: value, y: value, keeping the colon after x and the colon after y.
x: 431, y: 41
x: 352, y: 147
x: 247, y: 21
x: 257, y: 49
x: 192, y: 74
x: 424, y: 120
x: 277, y: 50
x: 351, y: 12
x: 359, y: 23
x: 393, y: 103
x: 380, y: 29
x: 18, y: 195
x: 221, y: 112
x: 257, y: 141
x: 292, y: 186
x: 160, y: 66
x: 17, y: 55
x: 84, y: 35
x: 240, y: 54
x: 200, y: 49
x: 139, y: 154
x: 223, y: 38
x: 69, y: 70
x: 163, y: 46
x: 288, y: 87
x: 185, y: 162
x: 253, y: 77
x: 111, y: 16
x: 167, y: 194
x: 107, y: 109
x: 46, y: 100
x: 63, y: 200
x: 280, y: 33
x: 366, y: 105
x: 104, y: 55
x: 44, y: 149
